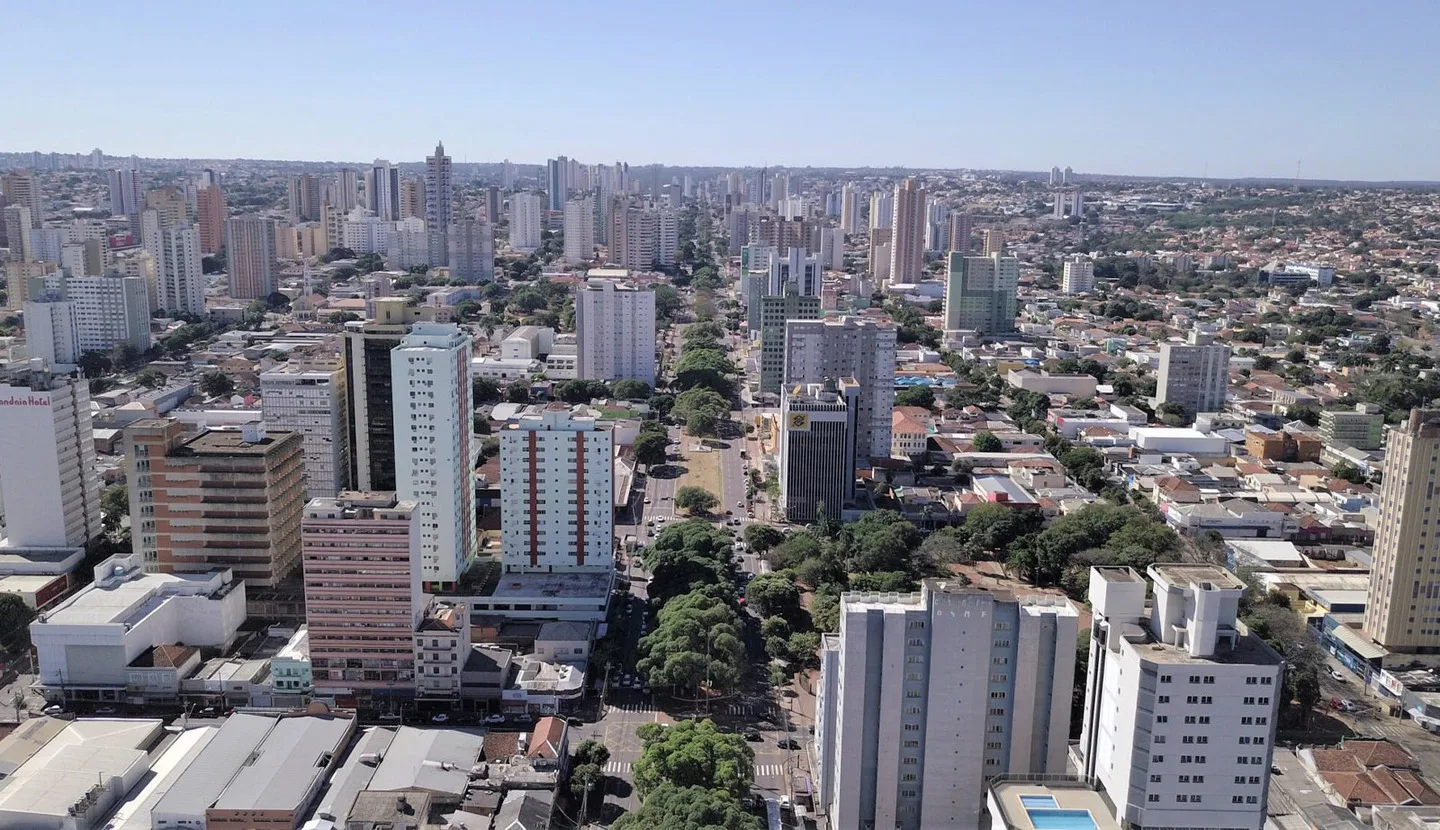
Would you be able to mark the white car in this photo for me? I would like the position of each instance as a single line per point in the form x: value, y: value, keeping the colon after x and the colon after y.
x: 494, y: 718
x: 1337, y: 675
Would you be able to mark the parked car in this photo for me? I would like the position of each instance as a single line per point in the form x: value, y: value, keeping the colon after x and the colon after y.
x: 439, y: 717
x: 53, y: 709
x: 753, y: 735
x: 1338, y: 675
x: 106, y: 710
x: 496, y: 718
x: 788, y: 743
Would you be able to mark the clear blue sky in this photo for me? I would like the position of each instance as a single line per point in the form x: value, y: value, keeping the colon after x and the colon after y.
x: 1231, y: 87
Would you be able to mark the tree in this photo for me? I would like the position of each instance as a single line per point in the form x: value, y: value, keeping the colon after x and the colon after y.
x: 761, y: 538
x: 883, y: 582
x: 651, y: 448
x: 581, y: 391
x: 151, y: 378
x: 696, y: 644
x: 945, y: 546
x: 114, y: 506
x: 340, y: 318
x: 693, y: 753
x: 518, y: 392
x: 1348, y: 472
x: 773, y: 594
x: 985, y: 441
x: 694, y: 499
x: 994, y: 527
x: 630, y: 390
x: 93, y: 364
x: 483, y: 391
x: 217, y: 385
x: 921, y: 396
x: 708, y: 368
x: 667, y: 302
x: 15, y: 619
x: 690, y: 808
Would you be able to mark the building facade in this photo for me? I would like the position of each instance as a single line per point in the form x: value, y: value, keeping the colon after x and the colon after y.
x: 907, y: 241
x: 1078, y: 276
x: 525, y: 210
x: 556, y: 493
x: 367, y: 362
x: 472, y: 251
x: 981, y: 294
x: 362, y: 594
x: 580, y: 229
x: 250, y: 255
x: 311, y: 400
x: 775, y: 312
x: 219, y: 499
x: 817, y: 449
x: 1402, y: 603
x: 1363, y: 429
x: 1194, y: 375
x: 849, y: 348
x: 435, y: 452
x: 439, y: 204
x: 910, y: 724
x: 615, y: 331
x: 48, y: 478
x: 1181, y: 700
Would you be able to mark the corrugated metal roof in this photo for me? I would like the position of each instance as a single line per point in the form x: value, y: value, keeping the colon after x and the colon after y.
x: 208, y: 775
x: 289, y: 766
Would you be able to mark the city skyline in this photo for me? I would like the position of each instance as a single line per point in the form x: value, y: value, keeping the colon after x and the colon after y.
x: 1102, y: 105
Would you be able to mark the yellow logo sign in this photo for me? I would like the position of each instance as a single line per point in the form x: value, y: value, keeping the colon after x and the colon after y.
x: 799, y: 420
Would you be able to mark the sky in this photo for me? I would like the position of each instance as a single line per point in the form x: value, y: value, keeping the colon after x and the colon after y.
x: 1225, y: 88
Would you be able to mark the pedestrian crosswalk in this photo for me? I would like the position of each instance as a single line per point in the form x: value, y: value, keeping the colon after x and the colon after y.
x: 735, y: 709
x: 617, y: 767
x: 768, y: 770
x: 633, y: 706
x: 1385, y: 731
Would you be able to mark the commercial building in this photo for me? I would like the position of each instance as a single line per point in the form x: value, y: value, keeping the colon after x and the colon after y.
x: 1194, y: 375
x: 1279, y: 272
x: 311, y: 399
x: 435, y: 453
x: 382, y: 191
x: 925, y: 697
x: 210, y: 212
x: 817, y: 449
x: 1363, y: 429
x: 795, y: 267
x: 580, y: 228
x: 71, y: 773
x: 615, y: 331
x: 1078, y: 276
x: 48, y: 479
x: 98, y: 643
x: 907, y: 241
x: 362, y: 594
x: 250, y: 254
x: 557, y: 486
x: 472, y: 251
x: 367, y: 361
x: 525, y: 210
x: 1402, y: 604
x: 848, y: 348
x: 441, y: 647
x: 1181, y: 700
x: 439, y: 204
x: 775, y: 313
x: 219, y: 499
x: 981, y: 294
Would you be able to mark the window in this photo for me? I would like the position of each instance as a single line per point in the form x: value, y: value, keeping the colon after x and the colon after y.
x: 909, y: 760
x: 1194, y: 799
x: 1206, y: 700
x: 1157, y: 759
x: 1249, y: 701
x: 1192, y: 700
x: 1263, y: 701
x: 1154, y: 779
x: 1244, y: 739
x: 1159, y: 739
x: 1210, y: 679
x: 1194, y: 678
x: 1237, y: 799
x: 1267, y: 681
x: 1184, y: 779
x: 912, y: 727
x: 1250, y: 799
x: 909, y: 776
x: 1152, y: 797
x: 1162, y: 699
x: 1164, y: 678
x: 912, y: 744
x: 1180, y: 797
x: 1162, y: 718
x: 916, y: 641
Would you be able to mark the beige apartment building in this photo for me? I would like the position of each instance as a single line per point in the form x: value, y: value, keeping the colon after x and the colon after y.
x: 217, y: 499
x: 1403, y: 609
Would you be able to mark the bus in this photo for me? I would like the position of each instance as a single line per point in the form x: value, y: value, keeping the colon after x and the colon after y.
x: 773, y: 821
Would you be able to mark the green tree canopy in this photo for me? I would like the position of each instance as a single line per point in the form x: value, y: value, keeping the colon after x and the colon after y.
x: 773, y: 594
x: 650, y: 448
x: 697, y: 644
x: 484, y: 390
x: 761, y: 538
x: 985, y: 441
x: 690, y: 808
x: 217, y: 385
x: 694, y: 499
x: 693, y: 753
x: 581, y: 391
x: 708, y: 368
x: 921, y: 396
x: 630, y: 390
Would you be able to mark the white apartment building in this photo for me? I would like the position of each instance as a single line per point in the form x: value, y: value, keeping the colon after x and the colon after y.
x: 525, y: 210
x: 848, y: 347
x: 926, y: 696
x: 87, y: 643
x: 1194, y: 375
x: 643, y: 237
x: 442, y: 644
x: 472, y: 251
x: 312, y: 400
x: 1078, y: 276
x: 365, y: 233
x: 831, y: 249
x: 51, y: 333
x: 556, y: 493
x: 882, y: 210
x: 409, y: 245
x: 49, y: 486
x: 382, y: 190
x: 250, y: 254
x: 435, y: 451
x: 110, y: 310
x: 981, y: 294
x: 179, y: 278
x: 1181, y: 700
x: 615, y: 331
x: 580, y: 229
x: 795, y: 266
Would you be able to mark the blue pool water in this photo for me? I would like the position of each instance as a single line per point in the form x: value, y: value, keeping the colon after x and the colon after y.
x: 1038, y: 802
x: 1061, y: 820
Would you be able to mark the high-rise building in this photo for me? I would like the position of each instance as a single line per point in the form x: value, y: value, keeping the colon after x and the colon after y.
x: 925, y: 697
x: 1066, y: 175
x: 1363, y: 428
x: 1181, y: 699
x: 981, y: 294
x: 643, y: 237
x: 408, y: 244
x: 557, y: 188
x: 831, y: 250
x: 556, y: 492
x: 50, y: 330
x: 48, y: 475
x: 580, y: 228
x: 962, y: 232
x: 222, y: 498
x: 1402, y: 601
x: 1054, y: 176
x: 907, y: 242
x: 210, y: 211
x: 179, y: 277
x: 250, y: 254
x: 310, y: 398
x: 776, y: 310
x: 1195, y: 375
x: 472, y: 251
x: 382, y: 190
x: 17, y: 232
x: 110, y: 310
x: 412, y: 199
x: 992, y: 242
x: 434, y: 451
x: 850, y: 208
x: 305, y: 198
x: 170, y: 206
x: 817, y: 449
x: 20, y: 188
x: 882, y: 210
x: 345, y: 189
x: 1077, y: 204
x: 439, y: 204
x: 615, y: 332
x: 507, y: 175
x: 795, y: 267
x: 125, y: 199
x: 1078, y: 276
x: 362, y: 594
x: 372, y: 417
x: 849, y: 347
x: 492, y: 204
x: 525, y: 210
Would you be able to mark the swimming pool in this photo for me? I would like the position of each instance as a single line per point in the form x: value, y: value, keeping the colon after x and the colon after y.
x: 1038, y: 802
x: 1061, y: 819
